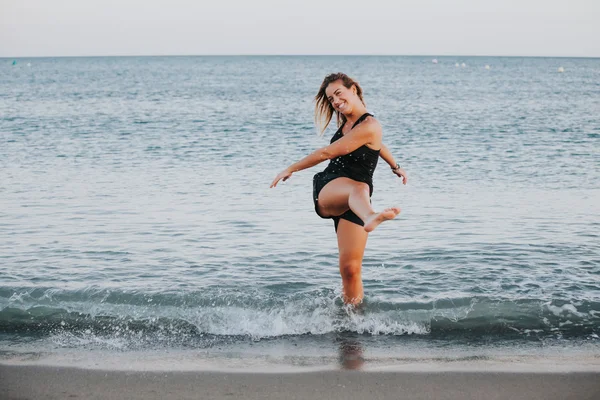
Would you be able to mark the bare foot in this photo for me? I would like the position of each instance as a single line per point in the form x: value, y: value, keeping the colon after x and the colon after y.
x: 375, y: 219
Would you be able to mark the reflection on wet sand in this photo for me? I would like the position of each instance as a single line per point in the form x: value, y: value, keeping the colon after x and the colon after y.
x: 350, y: 353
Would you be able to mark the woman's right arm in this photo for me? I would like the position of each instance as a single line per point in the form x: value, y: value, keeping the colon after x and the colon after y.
x: 310, y: 160
x: 363, y: 133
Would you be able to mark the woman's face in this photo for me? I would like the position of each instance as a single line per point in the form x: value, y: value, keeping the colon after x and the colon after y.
x: 340, y: 97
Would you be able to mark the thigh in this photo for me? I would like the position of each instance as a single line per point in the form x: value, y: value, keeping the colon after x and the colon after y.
x: 333, y: 198
x: 352, y: 240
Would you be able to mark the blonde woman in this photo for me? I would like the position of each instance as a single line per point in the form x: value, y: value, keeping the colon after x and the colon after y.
x: 343, y: 190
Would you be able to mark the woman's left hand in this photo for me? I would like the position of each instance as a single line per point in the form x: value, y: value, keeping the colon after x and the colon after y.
x: 285, y: 175
x: 401, y: 174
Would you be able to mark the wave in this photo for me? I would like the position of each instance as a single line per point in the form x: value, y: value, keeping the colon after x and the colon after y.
x: 216, y: 315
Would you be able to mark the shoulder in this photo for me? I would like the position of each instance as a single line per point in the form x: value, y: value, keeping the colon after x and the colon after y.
x: 373, y: 126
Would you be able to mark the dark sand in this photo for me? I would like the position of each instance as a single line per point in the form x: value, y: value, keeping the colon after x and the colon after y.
x: 47, y: 382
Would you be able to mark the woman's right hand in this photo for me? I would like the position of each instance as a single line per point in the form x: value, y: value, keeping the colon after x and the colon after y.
x: 285, y: 175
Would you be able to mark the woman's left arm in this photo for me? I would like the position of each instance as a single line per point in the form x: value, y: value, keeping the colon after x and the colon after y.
x: 389, y: 158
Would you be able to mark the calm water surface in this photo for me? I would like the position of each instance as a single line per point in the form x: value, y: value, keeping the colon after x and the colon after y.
x: 135, y: 209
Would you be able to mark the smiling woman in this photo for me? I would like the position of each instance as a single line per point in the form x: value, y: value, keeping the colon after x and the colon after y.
x: 343, y: 190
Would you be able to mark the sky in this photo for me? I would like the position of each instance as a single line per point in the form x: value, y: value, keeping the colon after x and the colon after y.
x: 39, y: 28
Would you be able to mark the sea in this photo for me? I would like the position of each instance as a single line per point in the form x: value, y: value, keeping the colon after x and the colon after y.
x: 136, y: 217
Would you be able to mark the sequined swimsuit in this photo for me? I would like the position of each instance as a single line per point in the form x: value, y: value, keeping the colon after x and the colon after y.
x: 358, y: 165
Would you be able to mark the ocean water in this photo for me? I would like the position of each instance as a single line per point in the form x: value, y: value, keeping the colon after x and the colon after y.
x: 136, y: 214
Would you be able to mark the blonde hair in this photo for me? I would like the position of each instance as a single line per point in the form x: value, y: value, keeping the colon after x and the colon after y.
x: 324, y: 110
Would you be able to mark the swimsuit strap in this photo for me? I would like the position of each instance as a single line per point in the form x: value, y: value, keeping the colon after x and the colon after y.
x: 358, y: 121
x: 361, y: 119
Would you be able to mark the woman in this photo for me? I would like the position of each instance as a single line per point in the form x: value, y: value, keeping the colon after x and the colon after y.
x: 343, y: 190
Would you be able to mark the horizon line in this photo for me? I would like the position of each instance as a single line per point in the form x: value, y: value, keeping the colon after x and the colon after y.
x: 298, y: 55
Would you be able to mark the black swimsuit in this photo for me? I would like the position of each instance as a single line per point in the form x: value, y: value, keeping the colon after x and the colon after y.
x: 358, y: 165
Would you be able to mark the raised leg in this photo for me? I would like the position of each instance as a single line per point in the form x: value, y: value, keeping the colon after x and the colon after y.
x: 342, y: 194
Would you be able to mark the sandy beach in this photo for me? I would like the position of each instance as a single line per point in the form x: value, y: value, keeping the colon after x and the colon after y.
x: 47, y: 382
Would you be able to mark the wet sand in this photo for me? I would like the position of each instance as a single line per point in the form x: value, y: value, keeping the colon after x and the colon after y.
x: 49, y: 382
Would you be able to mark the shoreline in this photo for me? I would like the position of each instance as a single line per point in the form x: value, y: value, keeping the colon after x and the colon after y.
x: 265, y: 362
x: 283, y: 371
x: 46, y: 382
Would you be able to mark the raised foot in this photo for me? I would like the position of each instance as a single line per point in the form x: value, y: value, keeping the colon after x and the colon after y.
x: 374, y: 220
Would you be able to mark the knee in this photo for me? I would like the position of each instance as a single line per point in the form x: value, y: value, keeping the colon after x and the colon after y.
x: 350, y: 269
x: 361, y: 187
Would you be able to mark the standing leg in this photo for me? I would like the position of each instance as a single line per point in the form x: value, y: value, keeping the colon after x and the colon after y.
x: 352, y: 240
